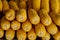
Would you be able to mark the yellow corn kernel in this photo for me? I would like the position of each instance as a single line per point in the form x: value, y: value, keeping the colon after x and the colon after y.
x: 40, y: 30
x: 21, y: 15
x: 15, y: 25
x: 26, y: 26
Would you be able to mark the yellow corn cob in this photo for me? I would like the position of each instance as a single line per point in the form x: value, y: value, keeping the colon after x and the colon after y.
x: 52, y: 29
x: 5, y: 5
x: 32, y: 35
x: 21, y: 15
x: 36, y: 4
x: 22, y: 4
x: 46, y: 37
x: 55, y: 17
x: 21, y: 35
x: 26, y: 26
x: 57, y: 36
x: 40, y: 30
x: 17, y: 1
x: 33, y: 16
x: 45, y: 18
x: 15, y: 25
x: 45, y: 5
x: 0, y: 5
x: 5, y: 24
x: 13, y: 5
x: 59, y: 6
x: 10, y: 15
x: 54, y: 5
x: 1, y: 33
x: 10, y: 34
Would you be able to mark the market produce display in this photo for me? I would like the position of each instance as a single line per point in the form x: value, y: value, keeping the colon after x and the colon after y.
x: 30, y: 19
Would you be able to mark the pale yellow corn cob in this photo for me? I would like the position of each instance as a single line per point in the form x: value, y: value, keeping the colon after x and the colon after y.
x: 15, y: 25
x: 40, y: 30
x: 21, y: 35
x: 26, y: 26
x: 33, y: 16
x: 21, y: 15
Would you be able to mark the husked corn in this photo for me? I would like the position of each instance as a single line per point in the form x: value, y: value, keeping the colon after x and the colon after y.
x: 13, y: 5
x: 15, y: 25
x: 32, y: 35
x: 5, y: 5
x: 26, y: 26
x: 46, y: 37
x: 22, y: 5
x: 21, y: 35
x: 55, y: 17
x: 10, y: 34
x: 52, y: 29
x: 36, y: 4
x: 45, y: 5
x: 54, y: 5
x: 33, y: 16
x: 10, y: 15
x: 40, y: 30
x: 57, y: 36
x: 45, y: 18
x: 21, y: 15
x: 5, y: 24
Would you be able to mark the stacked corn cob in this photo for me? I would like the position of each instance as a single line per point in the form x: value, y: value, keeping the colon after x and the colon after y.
x: 30, y: 19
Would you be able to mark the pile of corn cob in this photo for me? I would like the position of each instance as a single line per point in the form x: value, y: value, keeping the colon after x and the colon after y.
x: 30, y: 19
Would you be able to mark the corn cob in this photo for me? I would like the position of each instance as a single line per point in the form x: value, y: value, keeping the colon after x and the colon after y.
x: 21, y: 15
x: 10, y: 34
x: 26, y: 26
x: 45, y: 18
x: 46, y: 37
x: 36, y: 4
x: 1, y: 33
x: 45, y: 5
x: 32, y: 35
x: 55, y: 17
x: 40, y: 30
x: 57, y: 36
x: 22, y: 4
x: 15, y: 25
x: 5, y: 5
x: 33, y: 16
x: 10, y: 15
x: 52, y: 29
x: 13, y: 5
x: 5, y: 24
x: 21, y: 35
x: 0, y: 5
x: 54, y: 5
